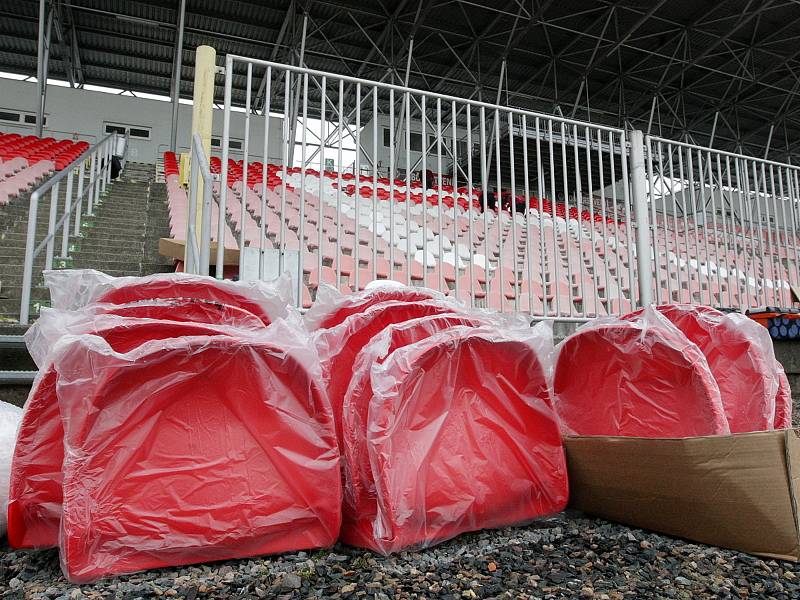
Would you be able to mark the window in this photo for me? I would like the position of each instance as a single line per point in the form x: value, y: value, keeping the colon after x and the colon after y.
x: 232, y: 143
x: 135, y: 131
x: 387, y: 137
x: 15, y: 116
x: 416, y: 142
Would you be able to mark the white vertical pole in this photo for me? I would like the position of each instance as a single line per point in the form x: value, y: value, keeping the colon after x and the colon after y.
x: 640, y: 212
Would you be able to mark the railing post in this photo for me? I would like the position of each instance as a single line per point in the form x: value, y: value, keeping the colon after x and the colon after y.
x: 67, y: 209
x: 93, y: 186
x: 27, y: 267
x: 51, y: 227
x: 81, y: 171
x: 638, y: 176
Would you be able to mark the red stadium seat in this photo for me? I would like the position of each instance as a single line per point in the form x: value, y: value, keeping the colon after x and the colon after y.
x: 783, y: 400
x: 740, y: 356
x: 435, y: 405
x: 35, y: 495
x: 168, y: 463
x: 329, y: 314
x: 646, y: 379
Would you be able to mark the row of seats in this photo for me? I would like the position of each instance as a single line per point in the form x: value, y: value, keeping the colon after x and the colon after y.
x: 34, y: 149
x: 24, y: 179
x: 548, y: 259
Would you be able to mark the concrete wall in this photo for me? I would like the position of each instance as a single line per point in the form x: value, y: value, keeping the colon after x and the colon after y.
x: 81, y: 114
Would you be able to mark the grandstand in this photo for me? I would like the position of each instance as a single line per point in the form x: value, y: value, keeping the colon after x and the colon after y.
x: 347, y: 150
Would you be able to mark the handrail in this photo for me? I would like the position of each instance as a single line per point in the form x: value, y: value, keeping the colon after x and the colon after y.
x: 100, y: 173
x: 198, y: 258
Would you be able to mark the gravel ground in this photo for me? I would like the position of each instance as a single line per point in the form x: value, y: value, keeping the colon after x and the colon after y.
x: 567, y: 556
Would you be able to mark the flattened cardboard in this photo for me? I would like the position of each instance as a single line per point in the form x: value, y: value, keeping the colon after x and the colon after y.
x: 735, y: 491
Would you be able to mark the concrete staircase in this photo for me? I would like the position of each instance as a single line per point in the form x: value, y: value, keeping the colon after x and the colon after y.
x: 120, y: 239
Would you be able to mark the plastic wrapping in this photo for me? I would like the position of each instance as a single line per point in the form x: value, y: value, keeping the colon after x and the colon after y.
x: 783, y: 400
x: 73, y: 289
x: 35, y: 493
x: 359, y: 490
x: 332, y: 307
x: 10, y: 417
x: 638, y: 376
x: 192, y: 450
x: 461, y: 435
x: 53, y: 323
x: 741, y: 358
x: 338, y: 347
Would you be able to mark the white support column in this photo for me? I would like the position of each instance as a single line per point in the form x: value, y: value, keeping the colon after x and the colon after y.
x: 641, y: 215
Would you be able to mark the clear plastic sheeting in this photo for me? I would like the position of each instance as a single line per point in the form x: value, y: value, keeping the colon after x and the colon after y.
x: 73, y: 289
x: 359, y: 491
x: 10, y: 417
x: 192, y: 450
x: 339, y: 347
x: 638, y: 376
x: 783, y: 399
x: 741, y: 358
x: 53, y: 323
x: 37, y: 473
x: 461, y: 435
x: 332, y: 307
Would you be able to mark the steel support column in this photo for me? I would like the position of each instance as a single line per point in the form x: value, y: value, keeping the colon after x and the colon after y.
x: 177, y: 65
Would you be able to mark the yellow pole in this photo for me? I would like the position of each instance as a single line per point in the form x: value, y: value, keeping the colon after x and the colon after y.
x: 202, y: 117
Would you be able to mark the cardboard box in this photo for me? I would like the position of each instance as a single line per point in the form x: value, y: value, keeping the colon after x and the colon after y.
x: 734, y: 491
x: 176, y: 249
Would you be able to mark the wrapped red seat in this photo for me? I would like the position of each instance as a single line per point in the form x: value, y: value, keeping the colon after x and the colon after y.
x: 637, y: 377
x: 73, y: 289
x: 332, y: 308
x: 192, y: 450
x: 461, y: 435
x: 783, y: 400
x: 359, y: 491
x: 35, y: 491
x: 338, y: 347
x: 740, y: 355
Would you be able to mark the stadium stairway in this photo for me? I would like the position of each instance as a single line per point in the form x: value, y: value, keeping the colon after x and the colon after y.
x: 121, y: 238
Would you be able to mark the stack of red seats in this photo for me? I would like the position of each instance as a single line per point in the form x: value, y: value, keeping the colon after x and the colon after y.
x: 34, y: 149
x: 420, y: 389
x: 670, y: 371
x: 164, y: 398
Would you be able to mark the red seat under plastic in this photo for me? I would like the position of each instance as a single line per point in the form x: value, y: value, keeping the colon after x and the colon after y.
x: 741, y: 363
x: 194, y: 450
x: 340, y: 346
x: 327, y: 316
x: 461, y: 436
x: 783, y: 400
x: 185, y: 287
x: 359, y: 491
x: 35, y: 490
x: 632, y: 378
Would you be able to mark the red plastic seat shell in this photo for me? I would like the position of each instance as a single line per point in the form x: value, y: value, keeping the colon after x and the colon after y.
x: 359, y: 491
x: 193, y: 450
x: 783, y: 400
x: 200, y: 289
x: 628, y: 379
x: 462, y: 437
x: 744, y: 373
x: 356, y: 332
x: 359, y: 302
x: 35, y: 494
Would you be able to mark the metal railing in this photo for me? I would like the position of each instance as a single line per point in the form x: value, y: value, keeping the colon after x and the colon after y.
x: 549, y: 250
x: 197, y: 257
x: 99, y: 158
x: 724, y: 226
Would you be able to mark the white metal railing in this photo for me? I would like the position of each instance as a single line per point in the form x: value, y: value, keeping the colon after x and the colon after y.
x: 99, y: 158
x: 724, y: 226
x: 563, y: 247
x: 198, y: 256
